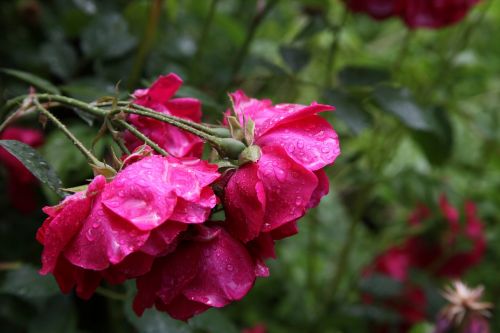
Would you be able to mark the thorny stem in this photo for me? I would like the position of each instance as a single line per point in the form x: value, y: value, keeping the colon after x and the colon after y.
x: 170, y: 120
x: 90, y: 157
x: 200, y: 127
x: 142, y: 137
x: 225, y: 146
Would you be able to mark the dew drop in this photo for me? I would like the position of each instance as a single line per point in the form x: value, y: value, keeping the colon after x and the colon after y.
x: 300, y: 144
x: 95, y: 225
x: 229, y: 267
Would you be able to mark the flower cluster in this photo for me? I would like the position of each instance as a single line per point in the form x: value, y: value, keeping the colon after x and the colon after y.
x: 21, y: 183
x: 446, y: 249
x: 415, y: 13
x: 153, y: 220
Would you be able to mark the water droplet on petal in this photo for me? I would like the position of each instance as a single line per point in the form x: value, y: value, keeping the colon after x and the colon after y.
x: 229, y: 267
x: 300, y: 144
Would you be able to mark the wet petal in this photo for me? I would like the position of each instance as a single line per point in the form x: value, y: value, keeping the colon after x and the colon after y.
x: 288, y: 186
x: 244, y: 203
x: 311, y: 141
x: 142, y: 193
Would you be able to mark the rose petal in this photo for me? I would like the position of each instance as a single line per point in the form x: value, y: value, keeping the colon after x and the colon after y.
x: 187, y: 108
x: 244, y: 203
x: 310, y: 141
x: 267, y: 116
x: 288, y: 187
x: 104, y: 239
x: 142, y: 193
x: 226, y: 272
x: 160, y: 91
x: 321, y: 190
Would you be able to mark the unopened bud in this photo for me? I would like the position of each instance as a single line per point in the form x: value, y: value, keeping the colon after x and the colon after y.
x: 230, y: 148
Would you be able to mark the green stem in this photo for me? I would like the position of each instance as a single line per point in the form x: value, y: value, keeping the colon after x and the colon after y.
x: 146, y: 43
x: 90, y: 157
x: 403, y: 51
x: 111, y: 294
x: 252, y: 29
x: 172, y: 121
x: 200, y: 127
x: 202, y: 41
x: 142, y: 137
x: 333, y: 50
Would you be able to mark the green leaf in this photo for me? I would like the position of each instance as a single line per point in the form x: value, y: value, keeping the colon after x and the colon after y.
x: 60, y: 57
x: 35, y: 163
x: 28, y: 284
x: 399, y: 102
x: 363, y: 76
x: 213, y: 321
x: 33, y: 80
x: 107, y: 36
x: 153, y: 321
x: 381, y: 286
x: 315, y: 24
x: 58, y: 315
x: 296, y: 58
x: 436, y: 143
x: 349, y: 110
x: 423, y: 327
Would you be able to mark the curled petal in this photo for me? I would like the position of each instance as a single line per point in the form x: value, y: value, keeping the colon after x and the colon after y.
x: 321, y: 190
x: 267, y: 116
x: 160, y: 91
x: 311, y: 141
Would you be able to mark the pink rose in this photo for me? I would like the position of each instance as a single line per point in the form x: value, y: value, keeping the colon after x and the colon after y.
x: 271, y: 194
x: 158, y: 97
x: 21, y: 184
x: 208, y: 269
x: 114, y: 230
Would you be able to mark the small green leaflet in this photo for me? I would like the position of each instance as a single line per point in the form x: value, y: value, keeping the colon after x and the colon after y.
x: 35, y: 163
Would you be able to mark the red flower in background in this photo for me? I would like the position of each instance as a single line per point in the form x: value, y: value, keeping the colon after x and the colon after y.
x: 21, y: 184
x: 261, y: 328
x: 415, y: 13
x: 114, y: 230
x: 158, y: 97
x: 438, y: 256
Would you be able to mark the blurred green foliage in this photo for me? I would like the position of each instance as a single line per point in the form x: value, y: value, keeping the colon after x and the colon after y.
x: 416, y: 113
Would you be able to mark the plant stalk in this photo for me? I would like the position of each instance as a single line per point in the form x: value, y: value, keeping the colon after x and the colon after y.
x: 90, y: 157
